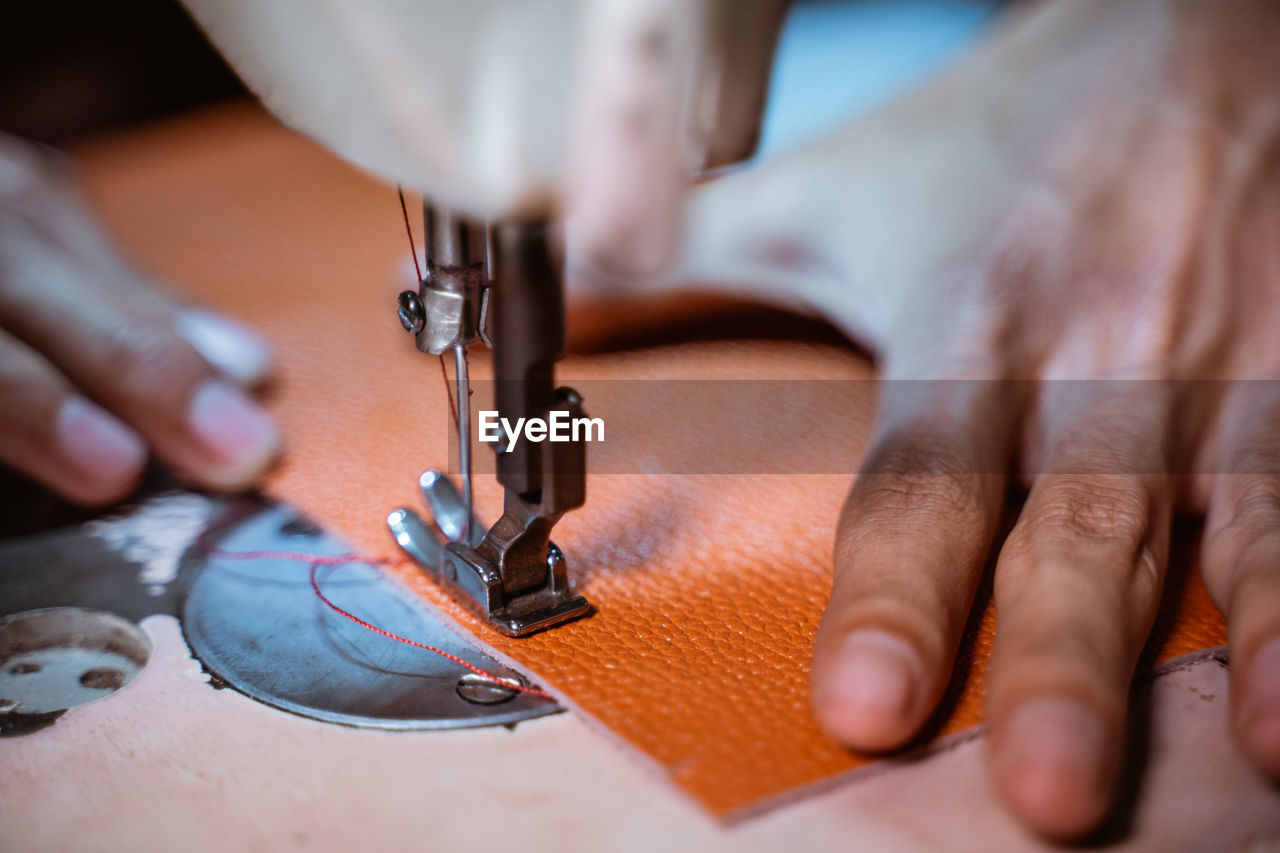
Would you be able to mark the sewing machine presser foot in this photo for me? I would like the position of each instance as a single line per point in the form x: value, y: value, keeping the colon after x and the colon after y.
x: 462, y: 566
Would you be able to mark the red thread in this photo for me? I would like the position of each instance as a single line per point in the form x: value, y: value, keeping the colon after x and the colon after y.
x: 408, y: 229
x: 417, y: 268
x: 315, y: 561
x: 459, y: 661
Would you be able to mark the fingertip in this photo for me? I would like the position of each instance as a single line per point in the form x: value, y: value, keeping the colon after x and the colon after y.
x: 1258, y: 718
x: 866, y: 697
x: 238, y: 437
x: 1051, y: 766
x: 107, y: 457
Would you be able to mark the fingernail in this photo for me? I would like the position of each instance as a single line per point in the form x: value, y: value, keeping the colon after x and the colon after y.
x: 874, y: 681
x: 232, y: 426
x: 100, y: 446
x: 1261, y: 703
x: 229, y: 346
x: 1052, y: 752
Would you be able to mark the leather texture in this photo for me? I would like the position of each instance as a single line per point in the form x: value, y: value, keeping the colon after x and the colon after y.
x: 708, y: 589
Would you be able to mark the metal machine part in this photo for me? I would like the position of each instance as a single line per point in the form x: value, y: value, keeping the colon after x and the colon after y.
x: 255, y: 625
x: 258, y: 626
x: 514, y: 575
x: 57, y: 658
x: 461, y: 563
x: 450, y: 309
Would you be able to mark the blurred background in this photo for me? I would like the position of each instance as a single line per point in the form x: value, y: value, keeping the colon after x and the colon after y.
x: 77, y: 67
x: 69, y: 68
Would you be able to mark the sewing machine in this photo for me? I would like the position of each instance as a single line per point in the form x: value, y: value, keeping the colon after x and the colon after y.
x: 479, y: 114
x: 514, y: 95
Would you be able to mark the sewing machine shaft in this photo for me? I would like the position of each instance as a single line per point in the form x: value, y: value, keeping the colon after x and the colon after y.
x: 505, y: 289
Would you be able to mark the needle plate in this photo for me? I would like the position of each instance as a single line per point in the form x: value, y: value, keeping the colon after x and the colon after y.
x: 258, y: 626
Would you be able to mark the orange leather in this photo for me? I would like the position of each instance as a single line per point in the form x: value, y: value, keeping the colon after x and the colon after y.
x: 708, y: 588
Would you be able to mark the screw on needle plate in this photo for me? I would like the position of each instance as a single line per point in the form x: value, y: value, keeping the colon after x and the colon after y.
x: 485, y: 691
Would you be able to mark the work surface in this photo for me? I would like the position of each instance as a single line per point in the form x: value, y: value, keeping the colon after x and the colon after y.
x: 695, y: 662
x: 169, y: 763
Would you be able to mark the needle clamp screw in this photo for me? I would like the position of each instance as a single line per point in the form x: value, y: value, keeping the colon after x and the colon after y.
x: 412, y: 315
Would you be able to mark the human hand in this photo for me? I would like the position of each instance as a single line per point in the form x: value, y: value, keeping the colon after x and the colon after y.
x: 98, y: 366
x: 1094, y: 195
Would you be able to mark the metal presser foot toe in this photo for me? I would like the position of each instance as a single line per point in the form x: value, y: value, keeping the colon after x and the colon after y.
x: 418, y: 539
x: 467, y: 567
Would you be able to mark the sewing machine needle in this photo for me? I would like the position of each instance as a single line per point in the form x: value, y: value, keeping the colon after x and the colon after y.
x: 463, y: 382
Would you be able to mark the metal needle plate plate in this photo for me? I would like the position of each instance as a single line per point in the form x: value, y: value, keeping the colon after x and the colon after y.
x: 259, y: 626
x: 256, y: 625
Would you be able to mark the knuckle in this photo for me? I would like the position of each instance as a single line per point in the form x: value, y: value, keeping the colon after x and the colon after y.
x: 1258, y: 455
x: 1253, y: 521
x: 914, y: 453
x: 894, y: 494
x: 1113, y: 432
x: 1086, y: 542
x: 142, y: 362
x: 26, y: 382
x: 915, y: 479
x: 1259, y: 503
x: 1112, y: 510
